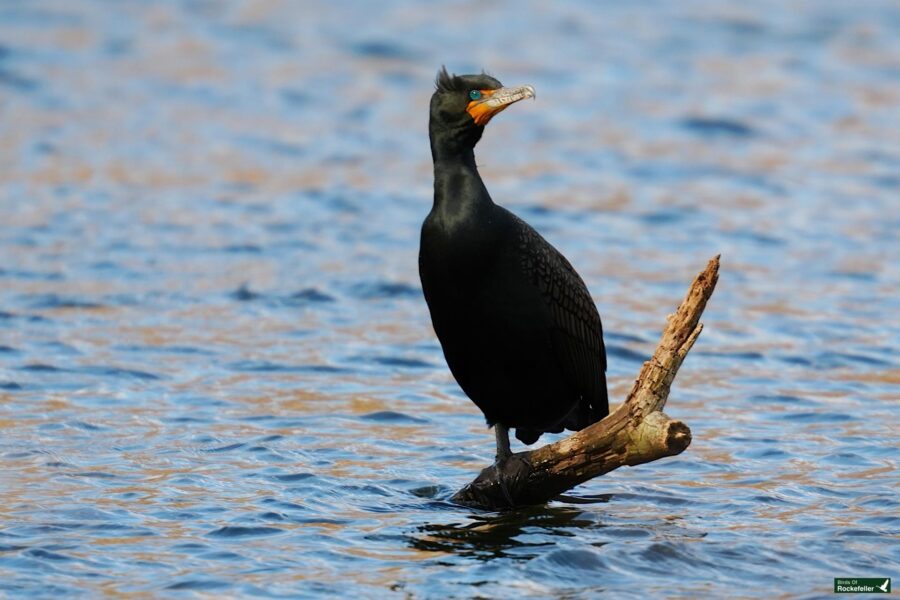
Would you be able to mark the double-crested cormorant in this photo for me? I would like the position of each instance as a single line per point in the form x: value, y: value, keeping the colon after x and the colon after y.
x: 517, y: 324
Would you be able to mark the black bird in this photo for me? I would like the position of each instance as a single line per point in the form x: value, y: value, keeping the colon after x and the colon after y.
x: 517, y: 324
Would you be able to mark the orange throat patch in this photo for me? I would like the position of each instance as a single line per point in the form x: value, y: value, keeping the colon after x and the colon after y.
x: 480, y: 111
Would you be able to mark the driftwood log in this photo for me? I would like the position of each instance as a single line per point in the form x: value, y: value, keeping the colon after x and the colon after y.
x: 636, y: 432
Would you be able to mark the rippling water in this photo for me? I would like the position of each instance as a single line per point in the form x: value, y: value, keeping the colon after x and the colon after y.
x: 217, y: 372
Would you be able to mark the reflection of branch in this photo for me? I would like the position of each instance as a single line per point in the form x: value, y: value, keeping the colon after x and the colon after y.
x: 636, y: 432
x: 491, y: 536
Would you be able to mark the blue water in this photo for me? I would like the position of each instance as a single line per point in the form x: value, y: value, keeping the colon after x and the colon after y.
x: 217, y: 372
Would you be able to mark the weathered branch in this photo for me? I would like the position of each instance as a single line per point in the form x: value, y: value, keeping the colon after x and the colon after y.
x: 636, y: 432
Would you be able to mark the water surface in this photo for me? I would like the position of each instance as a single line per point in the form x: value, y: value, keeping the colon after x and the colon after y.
x: 217, y: 371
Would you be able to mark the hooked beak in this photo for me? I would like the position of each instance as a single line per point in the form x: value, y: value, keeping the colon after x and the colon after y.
x: 493, y: 101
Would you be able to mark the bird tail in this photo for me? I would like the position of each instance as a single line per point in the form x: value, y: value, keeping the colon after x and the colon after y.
x: 586, y: 412
x: 589, y: 410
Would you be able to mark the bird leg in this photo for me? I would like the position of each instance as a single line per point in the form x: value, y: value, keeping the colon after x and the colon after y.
x: 502, y: 434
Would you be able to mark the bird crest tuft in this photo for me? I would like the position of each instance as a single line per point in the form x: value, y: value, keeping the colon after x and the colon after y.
x: 445, y: 82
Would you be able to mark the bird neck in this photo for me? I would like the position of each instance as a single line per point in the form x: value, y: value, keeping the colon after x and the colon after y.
x: 458, y: 188
x: 453, y: 143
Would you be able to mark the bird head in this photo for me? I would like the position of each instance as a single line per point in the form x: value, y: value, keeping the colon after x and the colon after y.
x: 462, y: 105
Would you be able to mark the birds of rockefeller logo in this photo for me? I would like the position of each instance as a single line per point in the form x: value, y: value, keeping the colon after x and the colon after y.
x: 862, y: 585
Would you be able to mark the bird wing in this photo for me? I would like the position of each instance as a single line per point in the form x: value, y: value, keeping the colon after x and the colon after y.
x: 578, y: 333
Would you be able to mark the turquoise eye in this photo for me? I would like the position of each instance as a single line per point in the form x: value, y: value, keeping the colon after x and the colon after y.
x: 475, y: 94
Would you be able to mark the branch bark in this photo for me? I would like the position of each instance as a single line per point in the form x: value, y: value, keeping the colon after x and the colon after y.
x: 636, y: 432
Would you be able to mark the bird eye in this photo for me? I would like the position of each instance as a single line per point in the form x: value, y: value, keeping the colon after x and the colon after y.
x: 475, y: 94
